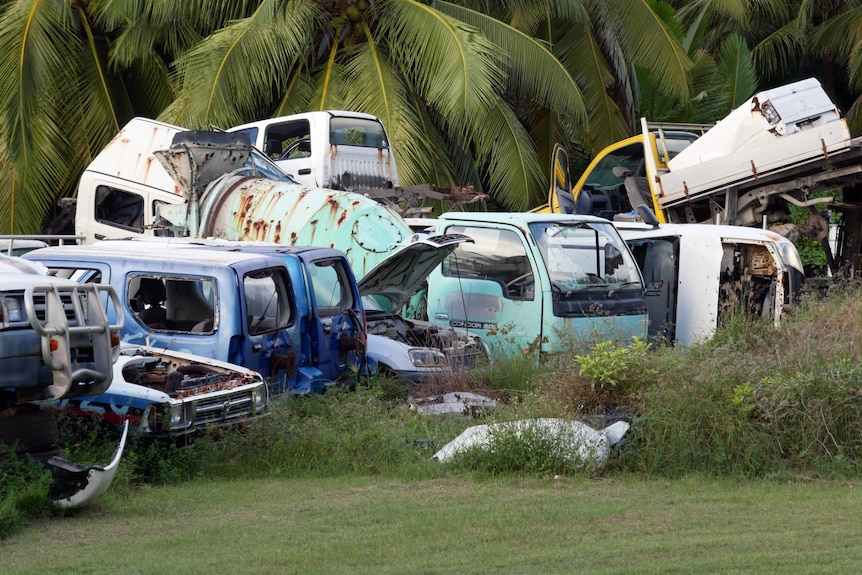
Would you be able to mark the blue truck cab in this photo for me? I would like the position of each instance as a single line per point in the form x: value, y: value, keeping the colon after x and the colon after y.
x: 248, y: 309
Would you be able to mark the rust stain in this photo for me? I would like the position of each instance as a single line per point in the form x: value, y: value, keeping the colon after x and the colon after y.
x: 147, y: 165
x: 244, y: 206
x: 259, y: 229
x: 342, y: 217
x: 277, y: 237
x: 293, y: 238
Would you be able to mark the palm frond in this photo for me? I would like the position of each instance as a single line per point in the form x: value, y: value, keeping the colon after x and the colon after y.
x: 533, y: 69
x: 778, y: 51
x: 581, y: 54
x: 296, y: 95
x: 648, y: 42
x: 102, y: 105
x: 149, y: 87
x: 513, y: 172
x: 329, y: 87
x: 457, y: 70
x: 38, y: 60
x: 736, y: 69
x: 375, y: 88
x: 230, y: 74
x: 837, y: 35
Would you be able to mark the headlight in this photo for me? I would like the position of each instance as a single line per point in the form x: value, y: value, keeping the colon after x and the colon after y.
x: 180, y: 415
x: 258, y: 397
x: 176, y: 414
x: 769, y: 113
x: 162, y: 418
x: 13, y: 309
x: 427, y: 357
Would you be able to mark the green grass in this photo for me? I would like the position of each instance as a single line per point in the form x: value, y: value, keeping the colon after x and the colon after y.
x: 454, y: 525
x: 745, y: 455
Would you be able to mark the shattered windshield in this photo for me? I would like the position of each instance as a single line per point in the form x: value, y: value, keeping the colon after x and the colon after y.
x: 586, y: 257
x: 259, y: 163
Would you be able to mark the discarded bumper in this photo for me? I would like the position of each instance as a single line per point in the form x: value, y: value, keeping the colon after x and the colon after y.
x: 77, y: 485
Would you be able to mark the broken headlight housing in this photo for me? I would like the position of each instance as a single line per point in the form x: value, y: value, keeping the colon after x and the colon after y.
x: 427, y: 357
x: 165, y: 417
x: 258, y: 398
x: 180, y: 416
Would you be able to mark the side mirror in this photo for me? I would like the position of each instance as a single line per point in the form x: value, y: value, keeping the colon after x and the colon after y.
x: 647, y: 215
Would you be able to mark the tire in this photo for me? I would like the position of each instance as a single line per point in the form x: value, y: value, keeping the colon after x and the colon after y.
x: 31, y: 430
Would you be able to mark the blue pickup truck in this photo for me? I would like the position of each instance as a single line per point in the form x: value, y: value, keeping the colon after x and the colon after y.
x: 243, y: 308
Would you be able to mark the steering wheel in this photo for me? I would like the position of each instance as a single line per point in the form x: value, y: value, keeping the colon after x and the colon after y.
x: 516, y: 284
x: 293, y: 149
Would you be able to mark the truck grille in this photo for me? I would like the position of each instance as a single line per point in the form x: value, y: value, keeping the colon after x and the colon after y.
x: 66, y: 298
x: 223, y: 409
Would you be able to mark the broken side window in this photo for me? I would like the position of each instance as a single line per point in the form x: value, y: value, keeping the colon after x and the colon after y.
x: 120, y: 208
x: 330, y: 282
x: 495, y: 255
x: 288, y: 140
x: 267, y: 301
x: 172, y: 303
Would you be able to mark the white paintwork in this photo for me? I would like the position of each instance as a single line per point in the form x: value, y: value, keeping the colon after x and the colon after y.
x: 745, y: 145
x: 700, y: 265
x: 98, y: 479
x: 578, y: 442
x: 327, y: 159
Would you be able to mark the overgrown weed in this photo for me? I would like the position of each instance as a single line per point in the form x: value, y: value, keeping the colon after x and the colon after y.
x: 754, y: 401
x: 24, y: 487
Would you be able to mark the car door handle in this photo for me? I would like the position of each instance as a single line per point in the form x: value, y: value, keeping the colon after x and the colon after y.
x: 304, y: 171
x: 256, y: 348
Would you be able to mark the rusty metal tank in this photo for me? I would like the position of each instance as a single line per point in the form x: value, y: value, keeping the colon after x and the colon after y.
x: 228, y: 201
x: 269, y: 211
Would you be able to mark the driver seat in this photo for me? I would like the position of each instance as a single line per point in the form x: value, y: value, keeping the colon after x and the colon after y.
x: 152, y: 294
x: 273, y: 148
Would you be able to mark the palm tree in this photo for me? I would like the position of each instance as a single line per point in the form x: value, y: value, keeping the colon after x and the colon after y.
x: 471, y: 91
x: 71, y: 75
x: 441, y: 86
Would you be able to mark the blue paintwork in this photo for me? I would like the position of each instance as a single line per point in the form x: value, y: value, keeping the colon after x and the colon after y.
x: 319, y: 361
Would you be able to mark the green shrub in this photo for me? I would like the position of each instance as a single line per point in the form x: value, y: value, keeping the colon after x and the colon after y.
x: 529, y: 449
x: 24, y: 489
x: 615, y: 369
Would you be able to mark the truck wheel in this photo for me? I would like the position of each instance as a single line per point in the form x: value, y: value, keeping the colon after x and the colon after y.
x: 31, y: 430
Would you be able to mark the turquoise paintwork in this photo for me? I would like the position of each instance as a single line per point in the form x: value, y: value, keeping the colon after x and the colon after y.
x: 521, y: 286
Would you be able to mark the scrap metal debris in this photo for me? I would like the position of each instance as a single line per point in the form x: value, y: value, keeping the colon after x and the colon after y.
x: 576, y: 441
x: 456, y: 402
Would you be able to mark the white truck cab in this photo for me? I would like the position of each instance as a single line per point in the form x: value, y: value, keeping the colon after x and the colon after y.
x: 697, y: 273
x: 332, y: 149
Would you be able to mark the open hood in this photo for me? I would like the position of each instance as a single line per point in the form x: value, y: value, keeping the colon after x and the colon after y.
x: 399, y: 276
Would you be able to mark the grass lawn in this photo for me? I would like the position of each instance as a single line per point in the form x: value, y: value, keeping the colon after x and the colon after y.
x: 453, y: 525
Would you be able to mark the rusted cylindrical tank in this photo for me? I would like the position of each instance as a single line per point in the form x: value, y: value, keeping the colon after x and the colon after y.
x: 243, y: 208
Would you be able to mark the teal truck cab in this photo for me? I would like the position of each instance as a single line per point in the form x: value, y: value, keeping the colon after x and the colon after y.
x: 539, y: 282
